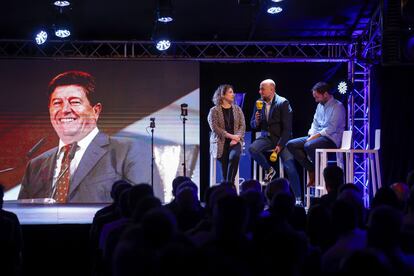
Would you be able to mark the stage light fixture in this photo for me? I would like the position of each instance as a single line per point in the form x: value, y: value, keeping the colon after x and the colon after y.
x: 161, y: 36
x: 274, y: 10
x: 62, y: 24
x: 41, y: 37
x: 276, y: 1
x: 61, y: 3
x: 344, y: 87
x: 62, y: 33
x: 163, y: 44
x: 164, y: 11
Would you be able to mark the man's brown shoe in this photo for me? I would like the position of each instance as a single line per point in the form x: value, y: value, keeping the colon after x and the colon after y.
x: 311, y: 182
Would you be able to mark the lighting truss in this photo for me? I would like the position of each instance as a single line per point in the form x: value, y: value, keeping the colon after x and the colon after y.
x: 303, y: 51
x: 359, y: 123
x: 367, y: 52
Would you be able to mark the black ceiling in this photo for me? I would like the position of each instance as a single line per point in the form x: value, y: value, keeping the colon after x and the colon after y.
x: 195, y: 20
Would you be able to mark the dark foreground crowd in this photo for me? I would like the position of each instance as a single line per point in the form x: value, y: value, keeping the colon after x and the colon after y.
x: 259, y: 232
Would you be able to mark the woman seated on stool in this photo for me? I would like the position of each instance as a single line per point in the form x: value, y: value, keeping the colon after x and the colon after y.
x: 227, y: 124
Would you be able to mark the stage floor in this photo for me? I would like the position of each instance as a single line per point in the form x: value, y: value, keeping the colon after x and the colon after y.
x: 38, y: 213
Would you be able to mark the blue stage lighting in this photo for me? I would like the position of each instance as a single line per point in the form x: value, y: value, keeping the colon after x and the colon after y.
x: 61, y: 3
x: 41, y: 37
x: 164, y: 11
x: 165, y: 19
x: 62, y: 32
x: 274, y: 10
x: 276, y: 1
x: 163, y: 44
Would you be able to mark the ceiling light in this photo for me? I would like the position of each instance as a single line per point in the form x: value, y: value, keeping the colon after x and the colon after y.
x: 274, y: 10
x: 276, y: 1
x: 164, y: 11
x: 163, y: 44
x: 62, y: 33
x: 41, y: 37
x: 61, y: 3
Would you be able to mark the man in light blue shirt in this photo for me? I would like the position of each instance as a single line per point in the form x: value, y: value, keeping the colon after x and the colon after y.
x: 326, y: 130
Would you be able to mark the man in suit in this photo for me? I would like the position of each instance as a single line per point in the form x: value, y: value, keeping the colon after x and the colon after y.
x: 275, y: 122
x: 87, y: 162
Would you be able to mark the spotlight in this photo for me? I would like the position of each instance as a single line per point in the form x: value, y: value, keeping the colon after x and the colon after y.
x: 41, y: 37
x: 164, y: 11
x: 274, y: 10
x: 62, y: 32
x: 162, y: 44
x: 62, y: 23
x: 61, y: 3
x: 161, y: 36
x: 344, y: 87
x: 276, y: 1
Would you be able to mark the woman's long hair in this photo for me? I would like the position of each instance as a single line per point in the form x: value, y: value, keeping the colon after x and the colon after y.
x: 219, y: 93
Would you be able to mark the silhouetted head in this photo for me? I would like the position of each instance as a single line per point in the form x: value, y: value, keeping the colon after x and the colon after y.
x: 159, y: 226
x: 334, y: 178
x: 117, y: 188
x: 366, y: 262
x: 384, y: 228
x: 282, y: 205
x: 385, y: 196
x: 402, y: 192
x: 250, y: 184
x: 278, y: 185
x: 177, y: 181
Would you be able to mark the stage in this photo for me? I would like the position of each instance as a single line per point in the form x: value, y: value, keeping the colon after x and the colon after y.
x: 52, y: 213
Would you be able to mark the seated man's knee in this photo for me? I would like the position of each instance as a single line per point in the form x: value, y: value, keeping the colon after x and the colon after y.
x: 253, y: 150
x: 309, y: 147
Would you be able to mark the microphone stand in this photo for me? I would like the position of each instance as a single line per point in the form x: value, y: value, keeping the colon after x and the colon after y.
x: 152, y: 126
x: 184, y: 113
x: 184, y: 167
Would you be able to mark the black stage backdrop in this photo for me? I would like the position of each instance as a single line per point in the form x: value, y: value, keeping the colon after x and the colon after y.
x: 393, y: 98
x: 293, y: 81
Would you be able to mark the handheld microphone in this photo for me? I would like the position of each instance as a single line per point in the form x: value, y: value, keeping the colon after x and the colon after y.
x: 184, y: 109
x: 259, y: 104
x: 273, y: 157
x: 152, y: 122
x: 36, y: 147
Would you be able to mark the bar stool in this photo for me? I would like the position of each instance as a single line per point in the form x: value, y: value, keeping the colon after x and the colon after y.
x: 321, y: 161
x: 213, y: 174
x: 373, y: 155
x: 257, y: 170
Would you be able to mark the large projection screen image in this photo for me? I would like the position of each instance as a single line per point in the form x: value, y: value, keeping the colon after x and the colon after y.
x: 130, y: 94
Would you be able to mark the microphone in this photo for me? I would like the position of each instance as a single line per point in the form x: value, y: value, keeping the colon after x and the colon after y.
x: 36, y: 147
x: 184, y: 109
x: 259, y: 104
x: 152, y: 123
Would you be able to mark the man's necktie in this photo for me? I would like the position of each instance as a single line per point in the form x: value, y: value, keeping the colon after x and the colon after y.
x: 62, y: 184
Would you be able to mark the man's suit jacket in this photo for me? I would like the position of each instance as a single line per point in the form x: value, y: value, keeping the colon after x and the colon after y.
x: 279, y: 124
x: 105, y: 161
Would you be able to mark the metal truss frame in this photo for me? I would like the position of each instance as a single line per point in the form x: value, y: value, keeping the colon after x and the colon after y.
x: 367, y: 54
x: 296, y: 51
